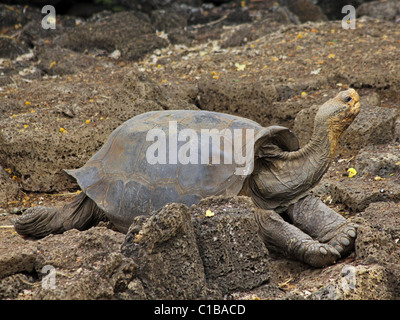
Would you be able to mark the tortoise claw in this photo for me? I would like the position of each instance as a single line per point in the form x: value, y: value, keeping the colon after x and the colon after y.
x: 344, y: 240
x: 315, y: 253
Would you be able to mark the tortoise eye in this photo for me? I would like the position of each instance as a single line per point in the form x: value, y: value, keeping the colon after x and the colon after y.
x: 348, y: 99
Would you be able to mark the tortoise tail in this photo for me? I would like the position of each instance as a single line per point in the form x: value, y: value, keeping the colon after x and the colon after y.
x: 38, y: 222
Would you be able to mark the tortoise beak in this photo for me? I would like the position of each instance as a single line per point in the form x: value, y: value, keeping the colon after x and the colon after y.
x: 355, y: 105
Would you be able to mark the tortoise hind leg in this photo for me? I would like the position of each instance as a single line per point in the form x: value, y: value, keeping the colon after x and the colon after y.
x: 282, y: 236
x: 323, y: 224
x: 38, y: 222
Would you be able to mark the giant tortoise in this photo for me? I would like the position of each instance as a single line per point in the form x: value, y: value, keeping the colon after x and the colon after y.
x: 153, y: 159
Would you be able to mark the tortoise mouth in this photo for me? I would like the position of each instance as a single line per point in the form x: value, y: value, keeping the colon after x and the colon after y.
x: 351, y: 113
x: 355, y: 105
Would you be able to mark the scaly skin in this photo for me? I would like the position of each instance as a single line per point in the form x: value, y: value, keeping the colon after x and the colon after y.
x: 322, y: 223
x: 284, y: 237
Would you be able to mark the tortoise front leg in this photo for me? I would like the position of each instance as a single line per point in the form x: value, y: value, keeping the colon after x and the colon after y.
x: 323, y: 224
x: 282, y: 236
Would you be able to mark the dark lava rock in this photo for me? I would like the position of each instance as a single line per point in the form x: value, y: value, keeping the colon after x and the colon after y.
x: 164, y: 246
x: 185, y: 253
x: 130, y: 32
x: 357, y: 195
x: 234, y: 256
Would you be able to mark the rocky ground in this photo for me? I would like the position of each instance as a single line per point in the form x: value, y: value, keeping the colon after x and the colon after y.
x: 63, y: 91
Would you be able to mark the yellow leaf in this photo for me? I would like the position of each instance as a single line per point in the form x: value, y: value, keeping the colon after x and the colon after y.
x: 240, y: 67
x: 209, y: 213
x: 352, y: 172
x: 331, y: 55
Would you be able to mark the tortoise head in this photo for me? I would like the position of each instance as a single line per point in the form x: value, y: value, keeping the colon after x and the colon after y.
x: 339, y: 112
x: 335, y: 115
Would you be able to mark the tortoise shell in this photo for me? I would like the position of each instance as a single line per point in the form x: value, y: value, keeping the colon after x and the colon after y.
x: 124, y: 183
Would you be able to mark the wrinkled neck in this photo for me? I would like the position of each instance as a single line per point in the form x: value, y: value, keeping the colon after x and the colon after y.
x: 282, y: 181
x: 318, y: 152
x: 313, y: 160
x: 321, y: 145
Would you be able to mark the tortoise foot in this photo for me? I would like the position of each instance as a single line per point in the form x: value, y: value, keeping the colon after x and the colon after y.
x: 344, y: 239
x: 314, y: 253
x: 37, y: 222
x: 279, y: 235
